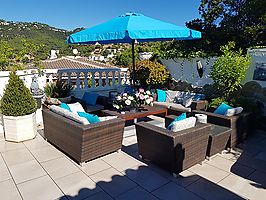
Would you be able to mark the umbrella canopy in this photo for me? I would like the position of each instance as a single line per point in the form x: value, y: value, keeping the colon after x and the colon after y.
x: 130, y: 27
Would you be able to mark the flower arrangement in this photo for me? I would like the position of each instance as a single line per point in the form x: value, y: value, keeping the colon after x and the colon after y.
x: 126, y: 101
x: 144, y: 98
x: 123, y: 101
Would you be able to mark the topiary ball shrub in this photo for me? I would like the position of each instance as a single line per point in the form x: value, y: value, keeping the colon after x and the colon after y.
x: 17, y: 99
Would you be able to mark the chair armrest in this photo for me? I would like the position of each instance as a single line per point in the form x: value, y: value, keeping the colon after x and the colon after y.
x: 169, y: 119
x: 216, y: 118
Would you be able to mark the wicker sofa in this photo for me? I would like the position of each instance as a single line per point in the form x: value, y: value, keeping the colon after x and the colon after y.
x: 83, y: 142
x: 177, y: 108
x: 174, y: 151
x: 240, y: 125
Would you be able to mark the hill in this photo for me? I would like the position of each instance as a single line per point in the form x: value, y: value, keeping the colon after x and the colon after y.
x: 39, y: 34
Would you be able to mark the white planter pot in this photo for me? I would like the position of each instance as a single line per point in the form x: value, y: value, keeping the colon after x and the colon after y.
x: 21, y: 128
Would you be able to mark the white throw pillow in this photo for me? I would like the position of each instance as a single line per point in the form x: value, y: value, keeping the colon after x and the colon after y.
x: 187, y: 101
x: 102, y: 119
x: 58, y: 110
x: 233, y: 111
x: 76, y: 107
x: 170, y: 96
x: 75, y: 117
x: 184, y: 124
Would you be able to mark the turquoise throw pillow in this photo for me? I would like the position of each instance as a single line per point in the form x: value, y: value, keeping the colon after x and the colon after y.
x: 90, y: 117
x: 90, y: 98
x: 179, y: 118
x: 161, y: 95
x: 65, y: 106
x: 221, y: 110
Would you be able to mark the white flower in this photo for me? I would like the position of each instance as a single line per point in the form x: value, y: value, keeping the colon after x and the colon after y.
x: 148, y: 101
x: 118, y: 98
x: 146, y: 97
x: 116, y: 106
x: 148, y: 92
x: 151, y: 99
x: 131, y: 98
x: 128, y: 102
x: 124, y: 94
x: 137, y: 95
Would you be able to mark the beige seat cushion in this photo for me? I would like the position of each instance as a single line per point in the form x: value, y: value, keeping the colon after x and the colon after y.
x: 161, y: 104
x: 179, y: 107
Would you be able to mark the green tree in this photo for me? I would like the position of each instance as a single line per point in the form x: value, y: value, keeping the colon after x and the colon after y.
x: 229, y: 69
x: 17, y: 99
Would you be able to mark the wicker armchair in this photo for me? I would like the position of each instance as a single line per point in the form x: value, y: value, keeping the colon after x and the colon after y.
x: 240, y: 125
x: 83, y: 142
x: 174, y: 151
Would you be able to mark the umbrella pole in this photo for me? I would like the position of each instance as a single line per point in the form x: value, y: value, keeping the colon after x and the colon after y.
x: 133, y: 63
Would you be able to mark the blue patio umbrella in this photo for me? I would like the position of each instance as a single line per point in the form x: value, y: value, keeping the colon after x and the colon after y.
x: 132, y: 27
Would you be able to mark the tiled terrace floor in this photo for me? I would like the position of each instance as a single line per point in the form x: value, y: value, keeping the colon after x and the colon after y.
x: 36, y: 170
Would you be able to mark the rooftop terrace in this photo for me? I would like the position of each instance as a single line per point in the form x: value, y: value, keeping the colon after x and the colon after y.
x: 35, y: 169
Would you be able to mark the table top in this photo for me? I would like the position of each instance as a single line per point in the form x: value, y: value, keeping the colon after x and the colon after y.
x: 216, y: 129
x: 144, y: 112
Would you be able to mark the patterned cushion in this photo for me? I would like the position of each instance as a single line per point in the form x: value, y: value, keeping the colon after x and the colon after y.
x: 170, y: 96
x: 184, y: 124
x: 233, y: 111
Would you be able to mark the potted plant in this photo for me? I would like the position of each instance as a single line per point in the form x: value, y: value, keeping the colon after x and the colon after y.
x: 58, y: 90
x: 18, y: 109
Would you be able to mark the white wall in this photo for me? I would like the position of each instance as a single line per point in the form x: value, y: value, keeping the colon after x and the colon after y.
x: 187, y: 70
x: 181, y: 69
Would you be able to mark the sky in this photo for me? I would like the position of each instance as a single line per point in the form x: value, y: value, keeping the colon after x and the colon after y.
x: 72, y: 14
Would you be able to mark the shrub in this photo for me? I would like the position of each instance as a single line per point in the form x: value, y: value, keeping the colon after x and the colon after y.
x: 17, y: 99
x: 229, y: 70
x: 58, y: 89
x: 217, y: 102
x: 151, y: 73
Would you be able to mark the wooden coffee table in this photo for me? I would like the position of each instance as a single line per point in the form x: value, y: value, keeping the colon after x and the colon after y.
x: 144, y: 112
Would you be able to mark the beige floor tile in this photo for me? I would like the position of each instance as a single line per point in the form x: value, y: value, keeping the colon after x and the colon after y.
x: 43, y: 154
x: 186, y: 178
x: 8, y: 190
x: 122, y: 161
x: 94, y: 166
x: 99, y: 196
x: 17, y: 156
x: 259, y: 178
x: 145, y: 177
x: 42, y: 188
x: 113, y: 182
x: 209, y: 191
x: 172, y: 191
x: 26, y: 171
x: 230, y: 166
x: 59, y: 167
x: 243, y: 187
x: 7, y: 146
x: 136, y: 193
x: 77, y: 185
x: 4, y: 173
x: 209, y: 172
x: 36, y: 143
x: 129, y: 141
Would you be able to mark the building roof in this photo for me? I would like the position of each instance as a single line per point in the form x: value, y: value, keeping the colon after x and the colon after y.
x: 71, y: 62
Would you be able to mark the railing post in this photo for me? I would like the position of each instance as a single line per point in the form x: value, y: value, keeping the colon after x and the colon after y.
x: 93, y: 80
x: 69, y: 78
x: 78, y: 81
x: 86, y: 80
x: 100, y: 79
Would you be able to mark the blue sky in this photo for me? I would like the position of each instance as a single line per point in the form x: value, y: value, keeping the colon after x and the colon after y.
x: 86, y: 13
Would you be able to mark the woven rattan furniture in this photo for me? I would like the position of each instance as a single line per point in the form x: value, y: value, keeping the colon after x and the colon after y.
x: 195, y: 105
x: 174, y: 151
x: 83, y: 142
x: 218, y: 139
x: 240, y: 125
x: 144, y: 112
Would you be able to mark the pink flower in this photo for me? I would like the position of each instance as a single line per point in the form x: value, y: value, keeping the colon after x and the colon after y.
x: 141, y: 90
x: 141, y: 97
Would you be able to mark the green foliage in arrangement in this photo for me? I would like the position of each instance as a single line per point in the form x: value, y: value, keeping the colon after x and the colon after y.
x: 58, y: 89
x: 229, y: 69
x: 17, y: 99
x: 151, y: 73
